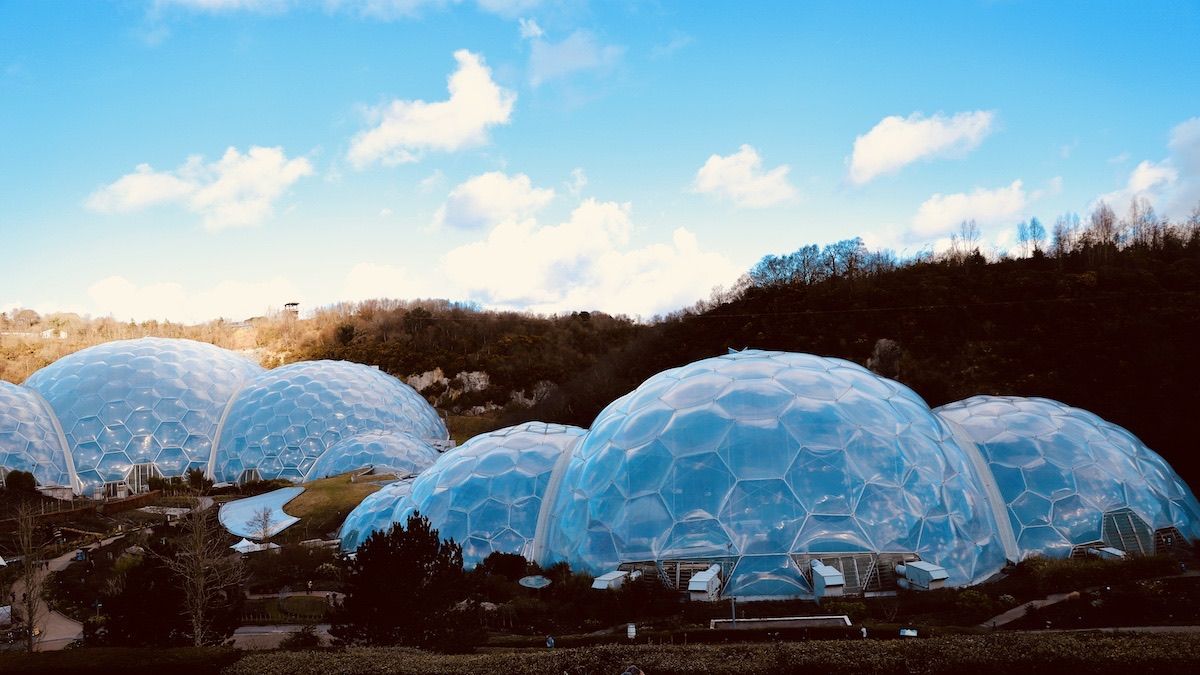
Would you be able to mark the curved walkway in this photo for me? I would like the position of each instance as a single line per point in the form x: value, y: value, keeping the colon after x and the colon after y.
x: 59, y: 630
x: 1020, y: 610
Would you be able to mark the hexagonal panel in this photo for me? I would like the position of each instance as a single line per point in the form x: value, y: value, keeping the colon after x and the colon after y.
x: 331, y: 401
x: 1073, y: 467
x: 487, y: 492
x: 28, y: 438
x: 117, y: 392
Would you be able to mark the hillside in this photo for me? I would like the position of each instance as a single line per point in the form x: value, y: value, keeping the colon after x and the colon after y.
x: 1107, y: 318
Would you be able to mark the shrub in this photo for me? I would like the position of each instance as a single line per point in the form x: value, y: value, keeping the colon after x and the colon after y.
x: 20, y: 482
x: 305, y: 638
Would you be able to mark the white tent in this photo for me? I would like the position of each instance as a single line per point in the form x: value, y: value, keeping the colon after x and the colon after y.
x: 247, y: 546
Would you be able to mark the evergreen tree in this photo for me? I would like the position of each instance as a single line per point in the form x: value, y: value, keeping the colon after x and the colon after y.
x: 406, y: 587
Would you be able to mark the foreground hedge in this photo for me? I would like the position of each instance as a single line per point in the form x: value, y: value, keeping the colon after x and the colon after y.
x: 978, y: 655
x: 127, y: 661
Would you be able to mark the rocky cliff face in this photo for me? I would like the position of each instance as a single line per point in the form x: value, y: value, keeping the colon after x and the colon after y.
x: 472, y: 392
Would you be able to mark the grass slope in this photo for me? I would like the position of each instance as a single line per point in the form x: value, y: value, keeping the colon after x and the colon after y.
x: 323, y: 506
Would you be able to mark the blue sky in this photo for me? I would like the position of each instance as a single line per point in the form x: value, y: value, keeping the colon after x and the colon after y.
x: 189, y: 159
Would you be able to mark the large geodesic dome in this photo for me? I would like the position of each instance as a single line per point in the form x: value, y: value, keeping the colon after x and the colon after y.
x: 765, y: 460
x: 29, y: 439
x: 376, y: 513
x: 385, y: 451
x: 151, y: 402
x: 488, y: 493
x: 286, y: 419
x: 1071, y: 479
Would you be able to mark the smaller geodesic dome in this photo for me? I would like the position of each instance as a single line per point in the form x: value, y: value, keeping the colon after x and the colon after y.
x: 487, y: 494
x: 376, y: 513
x: 386, y: 452
x: 286, y: 419
x: 29, y: 440
x: 762, y: 461
x: 150, y: 403
x: 1069, y: 478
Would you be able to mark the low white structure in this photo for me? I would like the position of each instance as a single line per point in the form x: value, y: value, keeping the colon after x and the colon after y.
x: 921, y: 575
x: 246, y: 546
x: 828, y: 582
x: 706, y: 585
x: 610, y: 581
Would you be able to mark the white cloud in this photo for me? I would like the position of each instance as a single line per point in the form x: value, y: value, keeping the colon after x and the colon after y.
x: 404, y: 129
x: 432, y: 182
x: 529, y: 29
x: 491, y: 198
x: 740, y: 178
x: 942, y: 213
x: 509, y: 9
x: 382, y: 10
x: 898, y: 141
x: 218, y: 6
x: 580, y: 51
x: 236, y: 191
x: 387, y: 10
x: 1171, y: 185
x: 579, y: 180
x: 679, y: 41
x: 585, y: 263
x: 125, y: 300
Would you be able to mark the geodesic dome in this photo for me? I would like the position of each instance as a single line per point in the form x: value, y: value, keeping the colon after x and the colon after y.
x: 487, y: 494
x: 29, y: 440
x: 387, y: 452
x: 376, y: 513
x: 1061, y: 469
x: 760, y: 459
x: 150, y: 401
x: 287, y: 418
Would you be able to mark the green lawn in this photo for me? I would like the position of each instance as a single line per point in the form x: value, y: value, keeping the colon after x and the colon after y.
x: 323, y: 506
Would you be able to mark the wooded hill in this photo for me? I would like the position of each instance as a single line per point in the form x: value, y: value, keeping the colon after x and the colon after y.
x: 1103, y: 315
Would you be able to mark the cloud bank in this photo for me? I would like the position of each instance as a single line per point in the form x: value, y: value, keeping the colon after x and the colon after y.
x: 239, y: 190
x: 740, y: 178
x: 402, y: 129
x: 896, y: 142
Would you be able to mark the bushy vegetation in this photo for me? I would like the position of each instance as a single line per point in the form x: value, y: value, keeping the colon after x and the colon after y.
x: 19, y: 482
x: 405, y: 587
x: 1093, y: 313
x: 1121, y: 602
x: 125, y: 660
x: 292, y: 567
x: 1051, y: 654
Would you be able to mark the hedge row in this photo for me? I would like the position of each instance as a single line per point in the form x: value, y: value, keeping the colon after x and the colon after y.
x: 980, y: 655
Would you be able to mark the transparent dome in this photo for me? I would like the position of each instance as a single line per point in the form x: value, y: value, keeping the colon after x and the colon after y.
x: 757, y: 458
x: 376, y: 513
x: 28, y: 439
x: 487, y: 494
x: 388, y: 452
x: 1061, y: 469
x: 148, y: 401
x: 287, y: 418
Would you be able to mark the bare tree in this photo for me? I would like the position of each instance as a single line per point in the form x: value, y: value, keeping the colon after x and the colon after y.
x: 1037, y: 235
x: 205, y: 568
x: 31, y: 579
x: 262, y: 523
